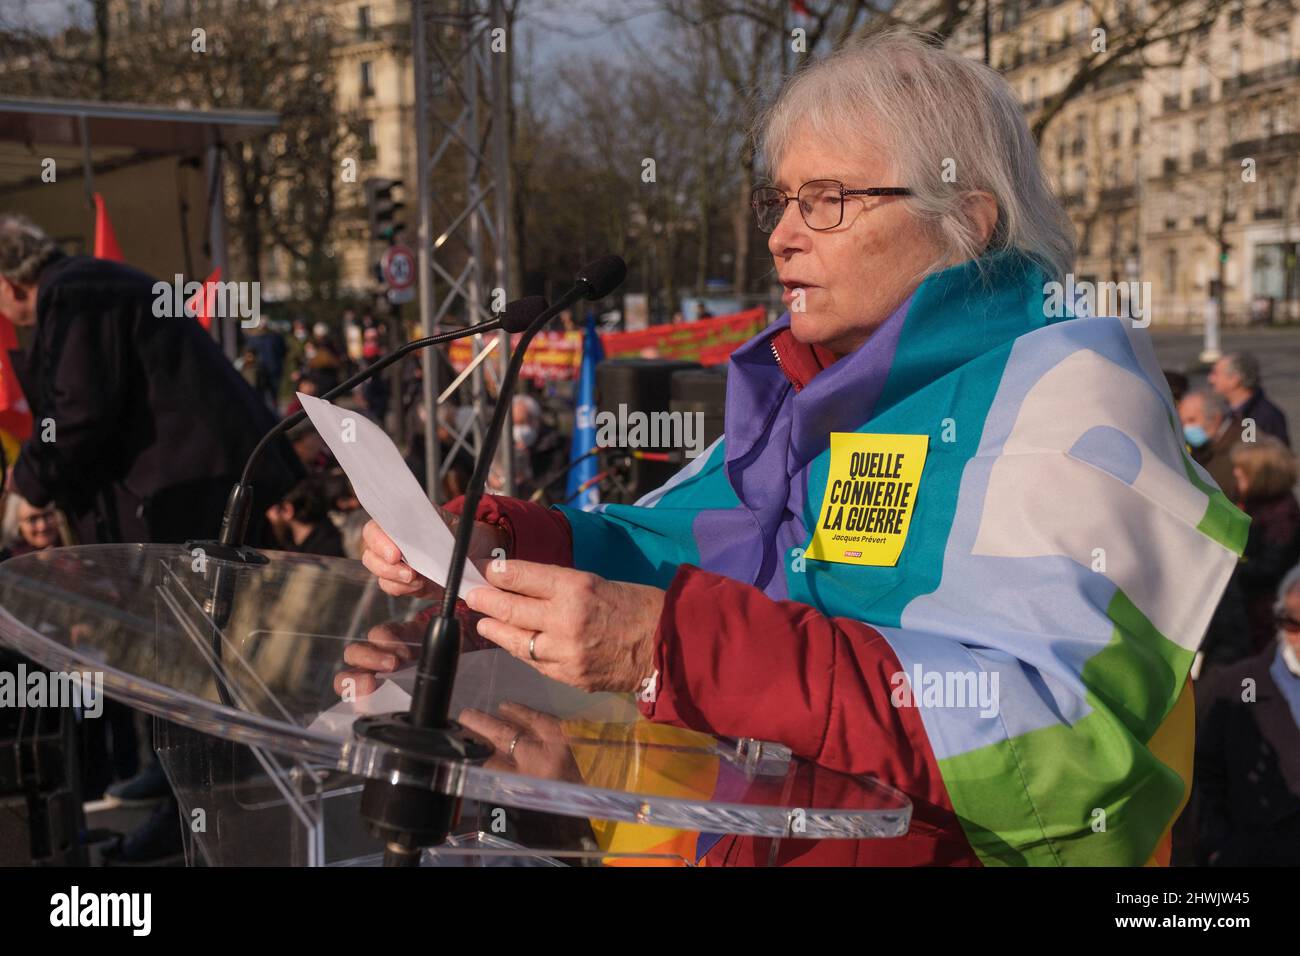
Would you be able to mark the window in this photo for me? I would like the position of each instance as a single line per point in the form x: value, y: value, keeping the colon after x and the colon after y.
x: 364, y: 26
x: 369, y: 148
x: 367, y: 78
x: 1234, y: 59
x: 1171, y: 270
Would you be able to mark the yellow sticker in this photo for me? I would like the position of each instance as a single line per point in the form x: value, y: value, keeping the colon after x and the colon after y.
x: 869, y: 500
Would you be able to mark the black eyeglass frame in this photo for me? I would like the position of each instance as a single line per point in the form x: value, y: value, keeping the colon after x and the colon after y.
x: 844, y: 191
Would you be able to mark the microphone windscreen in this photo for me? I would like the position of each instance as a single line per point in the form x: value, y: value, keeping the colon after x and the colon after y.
x: 521, y: 312
x: 603, y: 276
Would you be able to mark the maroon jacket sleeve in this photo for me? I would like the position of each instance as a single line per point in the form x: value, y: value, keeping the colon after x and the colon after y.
x: 535, y: 533
x: 735, y: 663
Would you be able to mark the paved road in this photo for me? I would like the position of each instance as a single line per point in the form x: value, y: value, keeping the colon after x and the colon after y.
x: 1278, y: 351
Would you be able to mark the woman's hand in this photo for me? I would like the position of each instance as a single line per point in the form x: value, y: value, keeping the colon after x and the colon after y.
x: 387, y: 648
x: 384, y: 560
x: 582, y: 630
x: 526, y: 741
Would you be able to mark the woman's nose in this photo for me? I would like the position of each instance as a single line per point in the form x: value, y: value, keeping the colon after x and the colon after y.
x: 791, y: 233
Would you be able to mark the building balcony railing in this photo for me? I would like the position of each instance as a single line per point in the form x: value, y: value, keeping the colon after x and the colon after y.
x: 1070, y: 200
x: 1263, y: 146
x: 1118, y: 195
x: 1199, y: 221
x: 1281, y: 70
x: 1272, y: 212
x: 1172, y: 102
x: 1115, y: 75
x: 1200, y: 95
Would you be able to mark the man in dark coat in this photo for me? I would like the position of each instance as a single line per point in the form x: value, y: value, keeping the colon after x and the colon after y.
x: 1236, y: 378
x: 1247, y: 780
x: 141, y: 424
x: 1212, y: 434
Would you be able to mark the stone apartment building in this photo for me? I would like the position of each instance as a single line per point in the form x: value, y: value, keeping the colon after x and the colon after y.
x: 1180, y: 171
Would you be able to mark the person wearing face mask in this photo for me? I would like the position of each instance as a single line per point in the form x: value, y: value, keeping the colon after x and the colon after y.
x: 526, y: 417
x: 1211, y: 432
x: 1247, y: 790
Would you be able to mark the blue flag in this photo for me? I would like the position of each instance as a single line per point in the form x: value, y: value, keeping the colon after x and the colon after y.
x: 584, y: 423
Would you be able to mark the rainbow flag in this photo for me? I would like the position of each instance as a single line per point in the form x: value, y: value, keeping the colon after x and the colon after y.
x: 1062, y: 546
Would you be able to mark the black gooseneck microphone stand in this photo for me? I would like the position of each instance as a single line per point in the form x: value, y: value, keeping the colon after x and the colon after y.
x: 416, y: 805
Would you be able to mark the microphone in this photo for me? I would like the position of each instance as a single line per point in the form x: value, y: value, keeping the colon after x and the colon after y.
x: 517, y: 317
x: 437, y: 671
x: 409, y: 816
x: 229, y: 547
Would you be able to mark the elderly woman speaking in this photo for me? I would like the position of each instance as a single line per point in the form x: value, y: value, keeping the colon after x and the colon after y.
x: 951, y: 537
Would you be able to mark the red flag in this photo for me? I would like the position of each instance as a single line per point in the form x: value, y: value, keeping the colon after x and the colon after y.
x: 106, y: 246
x: 199, y: 303
x: 15, y: 414
x: 801, y: 8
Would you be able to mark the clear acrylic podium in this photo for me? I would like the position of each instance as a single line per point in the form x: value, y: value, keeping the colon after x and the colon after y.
x: 259, y: 746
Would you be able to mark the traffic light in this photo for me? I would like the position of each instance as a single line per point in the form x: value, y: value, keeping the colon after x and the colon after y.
x: 381, y: 207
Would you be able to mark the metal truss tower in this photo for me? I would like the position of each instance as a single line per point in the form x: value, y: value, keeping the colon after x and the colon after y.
x: 460, y: 55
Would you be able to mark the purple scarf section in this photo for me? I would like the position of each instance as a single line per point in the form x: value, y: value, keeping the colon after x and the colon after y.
x: 772, y: 434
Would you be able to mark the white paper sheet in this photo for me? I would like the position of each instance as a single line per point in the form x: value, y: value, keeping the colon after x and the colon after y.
x: 388, y: 491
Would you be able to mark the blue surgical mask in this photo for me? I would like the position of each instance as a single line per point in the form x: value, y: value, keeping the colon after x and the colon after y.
x: 1196, y: 436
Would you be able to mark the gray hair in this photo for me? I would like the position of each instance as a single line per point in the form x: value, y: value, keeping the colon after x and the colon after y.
x: 25, y: 249
x: 1289, y: 583
x: 1213, y: 404
x: 932, y: 110
x: 531, y: 408
x: 1245, y: 366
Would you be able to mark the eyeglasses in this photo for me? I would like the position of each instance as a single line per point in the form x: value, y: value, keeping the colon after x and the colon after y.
x: 1286, y: 622
x: 43, y: 517
x: 821, y: 202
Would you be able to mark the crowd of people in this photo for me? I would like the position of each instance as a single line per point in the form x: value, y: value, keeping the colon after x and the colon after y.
x: 1245, y: 804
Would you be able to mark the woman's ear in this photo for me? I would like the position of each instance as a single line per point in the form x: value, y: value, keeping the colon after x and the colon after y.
x: 981, y: 210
